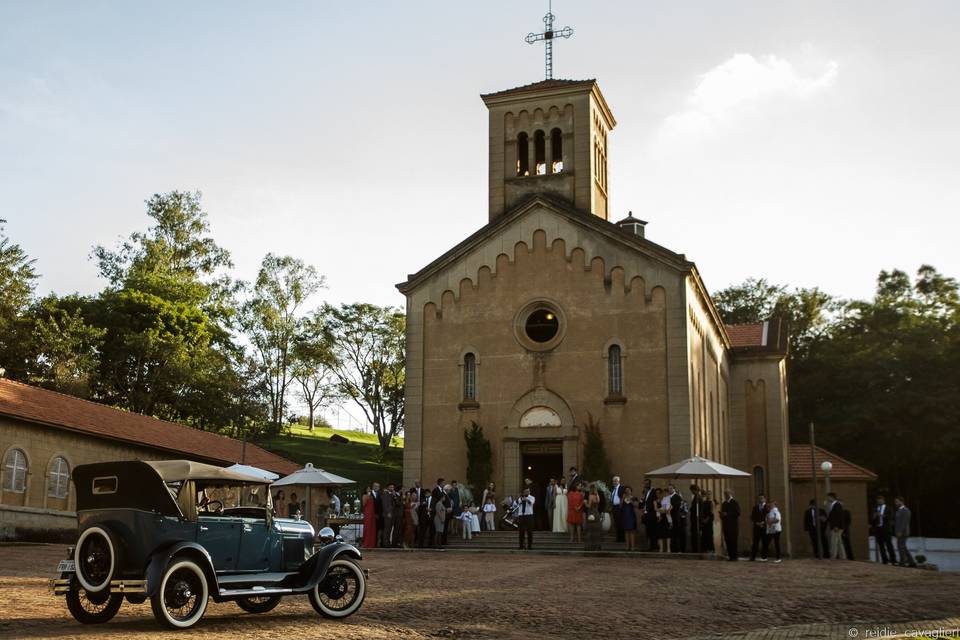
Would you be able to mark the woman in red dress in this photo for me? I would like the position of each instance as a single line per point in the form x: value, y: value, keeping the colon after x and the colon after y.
x: 575, y: 512
x: 369, y: 520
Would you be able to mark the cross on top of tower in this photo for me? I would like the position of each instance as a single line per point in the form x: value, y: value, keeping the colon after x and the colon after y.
x: 548, y: 36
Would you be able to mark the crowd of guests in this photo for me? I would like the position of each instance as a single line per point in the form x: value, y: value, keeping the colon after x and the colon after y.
x: 658, y: 519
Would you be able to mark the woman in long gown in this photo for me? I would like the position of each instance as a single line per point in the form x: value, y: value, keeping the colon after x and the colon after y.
x: 575, y: 513
x: 560, y: 511
x: 593, y: 527
x: 369, y: 521
x: 410, y: 520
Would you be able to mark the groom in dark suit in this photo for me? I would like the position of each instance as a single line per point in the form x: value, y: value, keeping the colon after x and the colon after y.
x: 730, y: 522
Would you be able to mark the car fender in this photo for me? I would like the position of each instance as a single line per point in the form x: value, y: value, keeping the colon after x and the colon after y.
x: 161, y: 559
x: 325, y: 556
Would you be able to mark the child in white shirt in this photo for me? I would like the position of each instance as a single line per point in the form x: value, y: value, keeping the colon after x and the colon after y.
x: 467, y: 519
x: 490, y: 514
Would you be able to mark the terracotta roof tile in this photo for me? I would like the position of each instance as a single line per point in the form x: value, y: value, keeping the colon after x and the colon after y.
x: 842, y: 469
x: 540, y: 86
x: 759, y: 338
x: 745, y: 335
x: 34, y: 404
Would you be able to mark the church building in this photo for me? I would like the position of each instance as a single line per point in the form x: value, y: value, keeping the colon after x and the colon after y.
x: 558, y: 313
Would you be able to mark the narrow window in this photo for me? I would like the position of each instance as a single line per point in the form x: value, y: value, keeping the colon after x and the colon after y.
x: 523, y: 158
x: 15, y: 471
x: 556, y: 151
x: 615, y: 371
x: 469, y: 377
x: 58, y: 481
x: 759, y: 482
x: 540, y: 152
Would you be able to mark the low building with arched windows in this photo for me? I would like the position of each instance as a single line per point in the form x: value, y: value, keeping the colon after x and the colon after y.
x: 45, y: 434
x: 552, y: 315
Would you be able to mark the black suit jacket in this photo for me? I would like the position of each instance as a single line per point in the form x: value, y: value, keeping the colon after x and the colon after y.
x: 835, y: 517
x: 729, y: 514
x: 758, y: 515
x: 809, y: 516
x: 889, y: 515
x: 377, y: 507
x: 616, y: 491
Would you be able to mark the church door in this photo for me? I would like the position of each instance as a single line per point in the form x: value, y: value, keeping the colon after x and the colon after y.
x: 540, y: 462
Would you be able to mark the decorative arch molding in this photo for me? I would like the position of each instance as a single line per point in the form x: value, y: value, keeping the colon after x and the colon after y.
x: 536, y: 399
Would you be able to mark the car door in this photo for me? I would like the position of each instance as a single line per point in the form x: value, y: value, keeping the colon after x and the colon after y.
x: 220, y: 536
x: 254, y: 545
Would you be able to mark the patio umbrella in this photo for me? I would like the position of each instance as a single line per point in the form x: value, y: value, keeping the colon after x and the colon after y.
x: 311, y: 476
x: 263, y: 474
x: 696, y: 468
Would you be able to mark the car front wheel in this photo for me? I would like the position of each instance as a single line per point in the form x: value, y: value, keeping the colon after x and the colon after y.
x: 341, y: 591
x: 92, y: 608
x: 258, y: 604
x: 181, y: 600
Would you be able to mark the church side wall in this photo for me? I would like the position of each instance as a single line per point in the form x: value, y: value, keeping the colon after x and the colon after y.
x: 759, y: 429
x: 606, y: 293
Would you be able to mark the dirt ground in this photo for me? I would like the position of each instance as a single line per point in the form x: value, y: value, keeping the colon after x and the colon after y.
x: 449, y: 595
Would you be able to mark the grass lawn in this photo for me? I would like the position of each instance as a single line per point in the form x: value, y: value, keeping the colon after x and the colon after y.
x: 352, y: 436
x: 358, y: 459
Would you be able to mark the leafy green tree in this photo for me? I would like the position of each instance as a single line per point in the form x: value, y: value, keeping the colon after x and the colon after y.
x: 167, y: 313
x: 479, y: 458
x: 369, y: 351
x: 596, y: 464
x: 312, y: 368
x: 272, y: 321
x: 64, y: 348
x: 17, y: 281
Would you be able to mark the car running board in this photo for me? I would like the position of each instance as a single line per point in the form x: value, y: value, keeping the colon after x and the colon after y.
x: 243, y: 593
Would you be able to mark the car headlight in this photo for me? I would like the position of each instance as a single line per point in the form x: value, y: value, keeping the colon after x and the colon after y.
x: 327, y: 535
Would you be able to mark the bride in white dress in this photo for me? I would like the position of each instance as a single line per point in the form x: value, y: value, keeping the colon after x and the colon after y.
x: 560, y: 512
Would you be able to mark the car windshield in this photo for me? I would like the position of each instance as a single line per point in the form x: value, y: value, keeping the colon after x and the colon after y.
x: 218, y: 498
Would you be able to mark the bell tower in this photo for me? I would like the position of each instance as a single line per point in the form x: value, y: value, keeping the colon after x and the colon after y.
x: 549, y: 138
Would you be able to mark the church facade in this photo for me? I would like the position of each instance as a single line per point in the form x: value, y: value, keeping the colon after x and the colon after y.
x: 552, y: 316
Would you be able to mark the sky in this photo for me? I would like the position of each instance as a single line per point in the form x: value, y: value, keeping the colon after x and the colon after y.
x: 809, y: 143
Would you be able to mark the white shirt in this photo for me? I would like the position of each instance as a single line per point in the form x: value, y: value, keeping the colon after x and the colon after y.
x: 489, y: 508
x: 526, y: 506
x: 881, y: 512
x: 773, y: 521
x: 616, y: 495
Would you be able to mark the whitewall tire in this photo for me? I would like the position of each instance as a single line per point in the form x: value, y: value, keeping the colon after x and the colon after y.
x: 95, y: 559
x: 181, y: 599
x: 341, y: 591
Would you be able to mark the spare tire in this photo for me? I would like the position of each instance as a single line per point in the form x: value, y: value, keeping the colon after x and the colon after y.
x: 96, y: 558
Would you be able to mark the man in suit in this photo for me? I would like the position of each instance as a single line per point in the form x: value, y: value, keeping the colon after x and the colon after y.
x: 377, y: 495
x: 758, y: 516
x: 730, y: 523
x: 649, y: 512
x: 882, y: 524
x: 453, y: 518
x: 525, y: 506
x: 902, y: 531
x: 573, y: 478
x: 845, y: 533
x: 696, y: 503
x: 386, y: 509
x: 435, y: 496
x: 812, y: 525
x: 835, y: 524
x: 616, y: 497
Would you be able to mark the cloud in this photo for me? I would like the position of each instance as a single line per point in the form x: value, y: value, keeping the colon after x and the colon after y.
x: 742, y: 85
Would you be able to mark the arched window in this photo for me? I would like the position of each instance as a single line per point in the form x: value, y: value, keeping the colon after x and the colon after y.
x: 523, y: 157
x: 15, y: 471
x: 58, y: 478
x: 615, y: 371
x: 556, y: 151
x: 469, y: 377
x: 540, y: 152
x: 759, y: 482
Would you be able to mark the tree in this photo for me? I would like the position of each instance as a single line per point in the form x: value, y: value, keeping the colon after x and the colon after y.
x: 64, y: 348
x: 479, y: 458
x: 167, y: 313
x: 596, y: 464
x: 369, y: 350
x: 17, y: 281
x: 272, y: 321
x: 312, y: 364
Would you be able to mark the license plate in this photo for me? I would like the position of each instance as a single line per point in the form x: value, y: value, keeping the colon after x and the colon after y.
x: 66, y: 566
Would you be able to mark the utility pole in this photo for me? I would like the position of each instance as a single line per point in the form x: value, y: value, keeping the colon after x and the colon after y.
x: 816, y: 498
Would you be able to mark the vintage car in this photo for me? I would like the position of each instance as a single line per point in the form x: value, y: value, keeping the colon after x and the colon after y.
x: 180, y: 532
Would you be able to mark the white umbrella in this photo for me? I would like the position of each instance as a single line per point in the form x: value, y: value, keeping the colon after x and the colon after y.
x: 312, y: 476
x: 246, y: 469
x: 696, y: 468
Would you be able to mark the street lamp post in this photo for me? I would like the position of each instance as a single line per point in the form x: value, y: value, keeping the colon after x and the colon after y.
x: 826, y: 466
